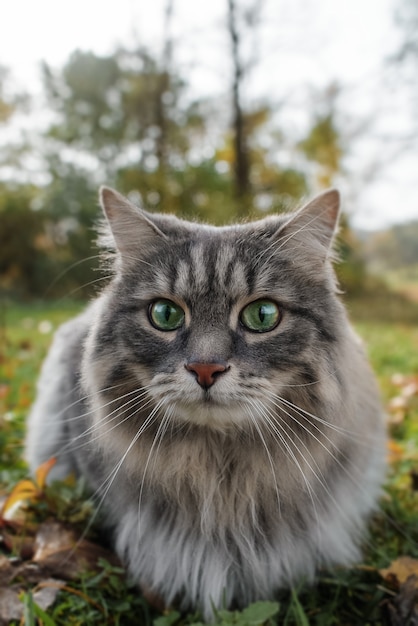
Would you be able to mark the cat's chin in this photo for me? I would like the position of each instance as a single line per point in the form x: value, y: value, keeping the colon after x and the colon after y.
x: 211, y: 414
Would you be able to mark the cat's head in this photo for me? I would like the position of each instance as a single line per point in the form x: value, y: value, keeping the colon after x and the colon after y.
x: 215, y: 323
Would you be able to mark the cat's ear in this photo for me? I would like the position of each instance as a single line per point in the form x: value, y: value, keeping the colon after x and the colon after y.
x: 312, y: 228
x: 131, y: 228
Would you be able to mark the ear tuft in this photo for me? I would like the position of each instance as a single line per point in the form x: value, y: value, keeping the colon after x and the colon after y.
x: 132, y: 229
x: 112, y: 202
x: 313, y: 227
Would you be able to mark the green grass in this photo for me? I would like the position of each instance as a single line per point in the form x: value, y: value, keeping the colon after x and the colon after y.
x: 354, y: 597
x: 25, y: 335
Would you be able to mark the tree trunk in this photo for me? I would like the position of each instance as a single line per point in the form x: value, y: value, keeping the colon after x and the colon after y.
x: 241, y: 162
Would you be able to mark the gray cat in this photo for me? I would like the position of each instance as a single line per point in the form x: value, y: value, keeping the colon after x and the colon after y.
x: 219, y: 404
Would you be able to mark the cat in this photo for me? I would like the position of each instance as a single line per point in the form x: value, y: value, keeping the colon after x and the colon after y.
x: 216, y: 399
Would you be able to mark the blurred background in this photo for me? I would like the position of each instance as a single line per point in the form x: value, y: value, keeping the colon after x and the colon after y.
x: 217, y: 111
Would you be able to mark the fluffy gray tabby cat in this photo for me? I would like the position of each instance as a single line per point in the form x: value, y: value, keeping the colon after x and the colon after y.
x: 218, y: 400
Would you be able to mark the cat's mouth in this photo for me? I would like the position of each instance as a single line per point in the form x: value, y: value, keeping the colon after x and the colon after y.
x: 218, y: 406
x: 210, y: 411
x: 208, y: 399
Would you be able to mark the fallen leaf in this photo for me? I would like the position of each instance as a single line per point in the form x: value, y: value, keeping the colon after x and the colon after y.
x: 401, y: 570
x: 27, y: 489
x: 398, y: 403
x: 47, y: 592
x: 396, y: 452
x: 23, y: 491
x: 18, y: 544
x: 410, y: 390
x: 60, y: 586
x: 42, y: 472
x: 11, y: 607
x: 59, y: 549
x: 53, y: 537
x: 27, y: 574
x: 403, y: 608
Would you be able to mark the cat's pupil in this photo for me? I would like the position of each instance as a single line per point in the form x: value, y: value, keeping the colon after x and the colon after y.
x: 166, y: 315
x: 260, y: 316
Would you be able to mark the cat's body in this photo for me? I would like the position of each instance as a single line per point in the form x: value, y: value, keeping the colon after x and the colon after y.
x: 217, y: 398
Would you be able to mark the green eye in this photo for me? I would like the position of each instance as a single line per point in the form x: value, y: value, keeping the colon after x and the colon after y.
x: 166, y: 315
x: 261, y: 316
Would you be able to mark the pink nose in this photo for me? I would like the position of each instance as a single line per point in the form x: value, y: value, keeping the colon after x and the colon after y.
x: 206, y: 373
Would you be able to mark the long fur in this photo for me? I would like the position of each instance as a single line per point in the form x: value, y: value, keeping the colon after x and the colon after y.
x: 229, y: 493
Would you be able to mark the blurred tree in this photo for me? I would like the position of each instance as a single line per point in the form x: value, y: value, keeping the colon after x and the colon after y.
x: 47, y: 251
x: 393, y: 248
x: 24, y: 245
x: 12, y: 101
x: 351, y: 269
x: 70, y: 202
x: 323, y: 143
x: 125, y: 119
x: 121, y: 110
x: 241, y: 160
x: 273, y: 187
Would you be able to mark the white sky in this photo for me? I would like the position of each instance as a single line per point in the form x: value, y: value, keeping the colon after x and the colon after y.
x: 303, y: 44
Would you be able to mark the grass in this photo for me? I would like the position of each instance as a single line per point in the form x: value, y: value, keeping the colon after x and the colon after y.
x: 354, y: 597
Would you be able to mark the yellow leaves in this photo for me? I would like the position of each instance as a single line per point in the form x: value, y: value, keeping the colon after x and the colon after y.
x: 27, y: 490
x: 42, y: 472
x: 24, y: 490
x: 395, y: 451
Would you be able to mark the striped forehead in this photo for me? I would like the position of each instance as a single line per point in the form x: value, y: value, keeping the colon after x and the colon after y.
x: 230, y: 264
x: 211, y: 268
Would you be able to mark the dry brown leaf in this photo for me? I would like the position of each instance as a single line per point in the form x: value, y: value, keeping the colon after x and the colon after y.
x: 400, y: 570
x: 18, y: 544
x: 48, y: 591
x: 59, y: 550
x: 53, y: 537
x: 11, y: 607
x: 403, y: 608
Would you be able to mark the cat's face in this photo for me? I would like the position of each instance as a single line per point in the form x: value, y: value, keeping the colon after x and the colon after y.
x: 215, y: 323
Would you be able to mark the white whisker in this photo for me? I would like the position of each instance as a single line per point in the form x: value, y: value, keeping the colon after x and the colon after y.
x: 361, y: 439
x: 258, y: 407
x: 272, y: 426
x: 115, y: 413
x: 106, y: 485
x: 162, y: 427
